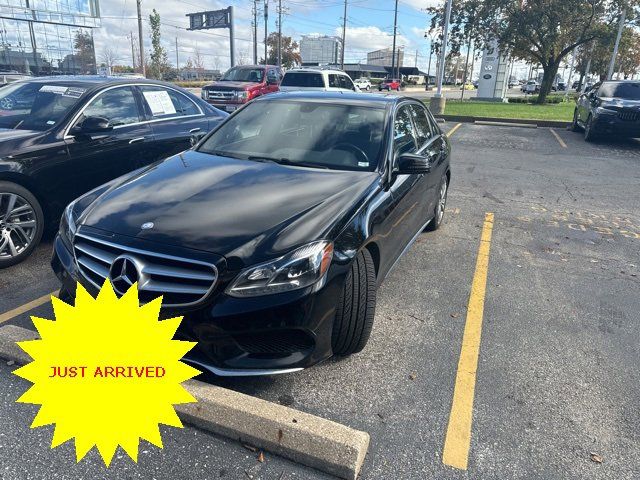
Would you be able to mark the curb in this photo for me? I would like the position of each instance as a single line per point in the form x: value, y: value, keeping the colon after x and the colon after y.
x: 304, y: 438
x: 506, y: 124
x: 521, y: 121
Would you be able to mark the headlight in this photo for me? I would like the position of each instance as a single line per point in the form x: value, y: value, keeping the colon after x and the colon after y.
x: 204, y: 94
x: 242, y: 96
x: 606, y: 111
x: 298, y: 269
x: 68, y: 224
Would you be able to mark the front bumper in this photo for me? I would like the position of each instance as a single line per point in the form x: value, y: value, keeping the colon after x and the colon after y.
x: 265, y: 335
x: 613, y: 125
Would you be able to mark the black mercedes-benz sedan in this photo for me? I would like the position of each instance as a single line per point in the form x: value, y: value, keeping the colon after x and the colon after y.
x: 272, y: 234
x: 62, y: 136
x: 611, y: 108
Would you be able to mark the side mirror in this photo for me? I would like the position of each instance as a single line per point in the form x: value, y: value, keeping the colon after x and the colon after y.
x: 272, y: 80
x: 93, y: 126
x: 195, y: 138
x: 412, y: 163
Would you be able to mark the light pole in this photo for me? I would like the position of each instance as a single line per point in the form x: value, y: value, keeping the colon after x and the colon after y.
x: 393, y: 49
x: 344, y: 35
x: 437, y: 102
x: 612, y: 63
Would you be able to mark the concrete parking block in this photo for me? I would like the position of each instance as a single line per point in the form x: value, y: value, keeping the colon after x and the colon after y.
x: 313, y: 441
x: 506, y: 124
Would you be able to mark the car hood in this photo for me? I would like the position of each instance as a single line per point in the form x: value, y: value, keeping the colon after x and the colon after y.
x: 246, y: 211
x: 618, y: 103
x: 229, y: 85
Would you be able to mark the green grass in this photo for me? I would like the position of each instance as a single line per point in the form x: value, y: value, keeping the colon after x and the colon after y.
x: 560, y: 111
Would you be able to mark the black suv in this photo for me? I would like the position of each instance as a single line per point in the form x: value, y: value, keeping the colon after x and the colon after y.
x: 611, y: 107
x: 62, y: 136
x: 272, y: 234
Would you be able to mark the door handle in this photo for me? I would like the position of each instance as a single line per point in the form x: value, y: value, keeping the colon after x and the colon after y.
x: 194, y: 130
x: 136, y: 140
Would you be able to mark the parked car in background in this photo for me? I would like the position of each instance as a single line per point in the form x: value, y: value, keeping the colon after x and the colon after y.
x: 62, y: 136
x: 612, y: 108
x: 241, y: 84
x: 321, y: 79
x: 314, y: 196
x: 561, y: 86
x: 530, y: 87
x: 390, y: 84
x: 363, y: 83
x: 11, y: 76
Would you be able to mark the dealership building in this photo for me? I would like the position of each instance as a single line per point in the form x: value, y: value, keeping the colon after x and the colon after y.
x: 46, y: 37
x: 320, y: 49
x: 384, y: 57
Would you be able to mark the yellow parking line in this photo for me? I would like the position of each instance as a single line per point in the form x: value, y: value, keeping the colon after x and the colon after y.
x: 453, y: 130
x: 458, y: 439
x: 5, y: 317
x: 560, y: 141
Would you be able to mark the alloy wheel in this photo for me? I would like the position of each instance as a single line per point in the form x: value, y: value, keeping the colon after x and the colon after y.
x: 18, y: 225
x: 6, y: 103
x: 442, y: 201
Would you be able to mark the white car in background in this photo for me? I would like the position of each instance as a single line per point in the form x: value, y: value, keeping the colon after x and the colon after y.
x: 363, y: 83
x: 321, y: 79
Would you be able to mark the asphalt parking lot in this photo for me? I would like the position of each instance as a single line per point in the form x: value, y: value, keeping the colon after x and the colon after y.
x: 557, y: 388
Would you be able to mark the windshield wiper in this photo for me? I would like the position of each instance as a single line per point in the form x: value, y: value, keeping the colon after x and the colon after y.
x: 285, y: 161
x: 221, y: 153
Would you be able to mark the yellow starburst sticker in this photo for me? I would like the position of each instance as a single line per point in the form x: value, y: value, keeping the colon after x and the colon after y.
x: 106, y: 372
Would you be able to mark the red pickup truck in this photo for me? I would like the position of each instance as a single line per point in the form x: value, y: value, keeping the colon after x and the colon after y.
x: 241, y: 84
x: 390, y: 84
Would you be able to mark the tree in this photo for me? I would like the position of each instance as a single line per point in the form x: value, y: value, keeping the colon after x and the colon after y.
x: 542, y: 32
x: 198, y: 62
x: 84, y: 55
x: 109, y: 57
x: 159, y: 59
x: 290, y: 51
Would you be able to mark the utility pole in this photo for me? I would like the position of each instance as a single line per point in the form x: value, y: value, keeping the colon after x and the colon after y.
x: 415, y: 63
x: 344, y: 35
x: 266, y: 20
x: 142, y: 62
x: 466, y: 69
x: 133, y: 52
x: 255, y: 32
x: 438, y: 102
x: 568, y: 85
x: 232, y: 38
x: 177, y: 58
x: 279, y: 33
x: 393, y: 49
x: 612, y: 64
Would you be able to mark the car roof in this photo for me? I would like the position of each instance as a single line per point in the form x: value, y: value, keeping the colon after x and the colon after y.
x: 621, y: 81
x: 340, y: 97
x: 314, y: 70
x: 93, y: 80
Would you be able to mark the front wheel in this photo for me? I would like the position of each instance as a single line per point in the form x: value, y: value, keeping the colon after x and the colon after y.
x: 589, y: 130
x: 574, y: 124
x: 441, y: 205
x: 356, y: 307
x: 21, y: 223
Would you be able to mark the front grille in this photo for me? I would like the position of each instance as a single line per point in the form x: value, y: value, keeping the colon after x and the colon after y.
x: 220, y: 95
x: 278, y: 343
x: 180, y: 281
x: 629, y: 116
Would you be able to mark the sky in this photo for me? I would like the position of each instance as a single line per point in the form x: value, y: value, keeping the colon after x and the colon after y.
x: 369, y: 27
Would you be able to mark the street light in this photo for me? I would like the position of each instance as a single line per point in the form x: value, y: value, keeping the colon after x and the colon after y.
x: 437, y: 102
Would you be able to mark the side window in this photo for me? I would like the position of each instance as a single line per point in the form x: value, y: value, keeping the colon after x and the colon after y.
x: 117, y: 105
x: 334, y: 81
x: 345, y: 82
x: 424, y: 131
x: 167, y: 103
x: 403, y: 133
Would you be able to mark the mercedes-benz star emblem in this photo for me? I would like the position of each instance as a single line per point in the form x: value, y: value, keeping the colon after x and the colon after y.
x: 147, y: 226
x: 124, y: 272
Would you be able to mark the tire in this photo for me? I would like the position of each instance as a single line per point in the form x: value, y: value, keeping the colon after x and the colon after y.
x: 574, y: 124
x: 441, y: 205
x: 589, y: 132
x: 356, y: 307
x: 19, y: 233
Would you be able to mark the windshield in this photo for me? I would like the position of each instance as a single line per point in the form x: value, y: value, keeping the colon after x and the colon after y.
x: 303, y: 79
x: 310, y: 134
x: 238, y: 74
x: 630, y: 91
x: 35, y: 105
